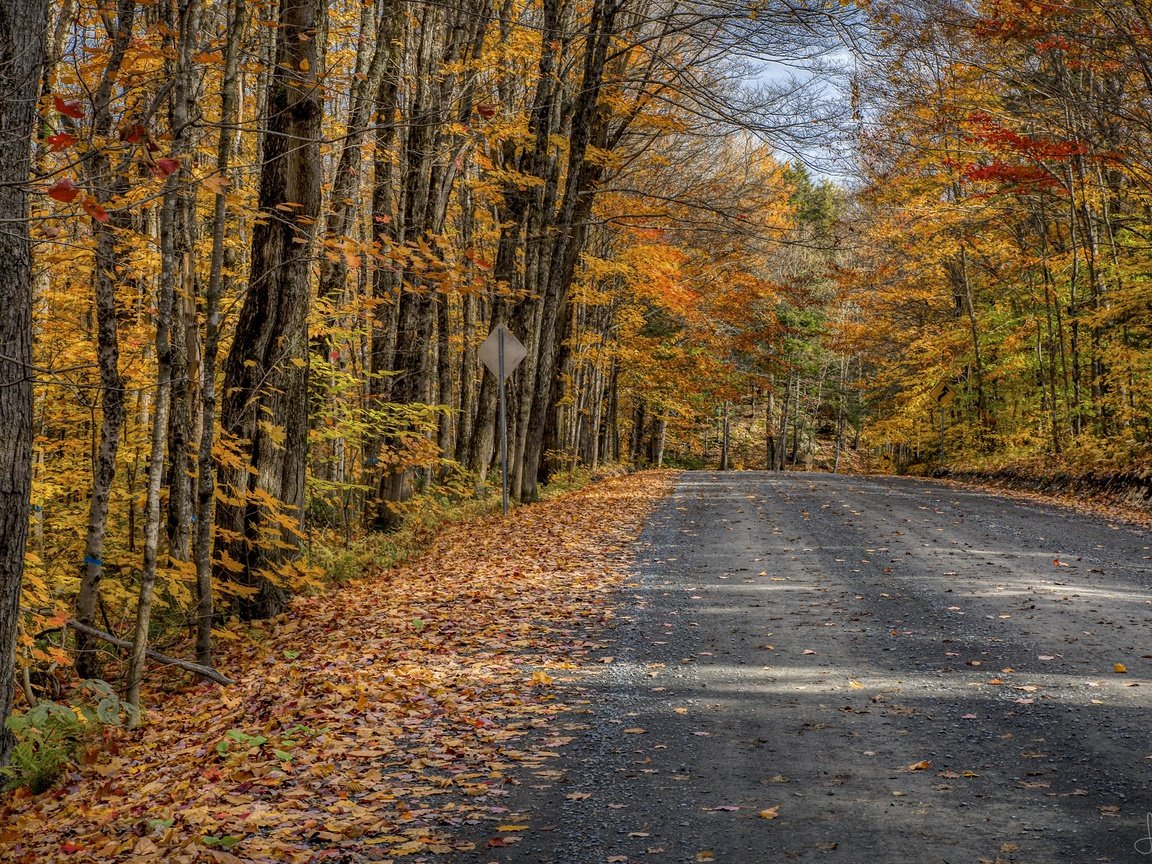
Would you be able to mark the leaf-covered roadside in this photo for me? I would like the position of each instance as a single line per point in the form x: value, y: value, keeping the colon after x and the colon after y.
x: 367, y: 724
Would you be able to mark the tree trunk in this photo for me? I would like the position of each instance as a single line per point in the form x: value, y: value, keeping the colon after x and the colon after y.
x: 171, y: 358
x: 105, y: 183
x: 205, y: 464
x: 264, y: 410
x: 23, y: 24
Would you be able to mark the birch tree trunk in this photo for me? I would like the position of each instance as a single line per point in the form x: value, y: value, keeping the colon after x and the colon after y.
x: 174, y: 261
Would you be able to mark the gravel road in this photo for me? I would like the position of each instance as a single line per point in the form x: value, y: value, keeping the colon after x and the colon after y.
x: 859, y: 669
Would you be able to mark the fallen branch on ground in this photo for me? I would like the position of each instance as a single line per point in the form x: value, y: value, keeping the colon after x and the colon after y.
x: 187, y: 665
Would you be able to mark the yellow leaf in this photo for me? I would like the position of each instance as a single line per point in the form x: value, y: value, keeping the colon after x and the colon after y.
x: 504, y: 828
x: 922, y: 765
x: 770, y: 813
x: 1119, y: 668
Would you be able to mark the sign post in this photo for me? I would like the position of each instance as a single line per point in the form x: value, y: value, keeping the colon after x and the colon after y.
x: 501, y: 353
x: 942, y: 395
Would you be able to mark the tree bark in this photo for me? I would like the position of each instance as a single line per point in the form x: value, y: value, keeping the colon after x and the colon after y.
x: 171, y: 357
x: 23, y: 25
x: 205, y: 463
x: 264, y: 410
x: 104, y: 183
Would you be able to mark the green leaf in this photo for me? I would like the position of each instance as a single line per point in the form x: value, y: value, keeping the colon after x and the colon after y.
x: 225, y: 842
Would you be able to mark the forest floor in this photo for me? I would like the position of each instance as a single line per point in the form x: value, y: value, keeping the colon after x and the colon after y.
x: 378, y: 721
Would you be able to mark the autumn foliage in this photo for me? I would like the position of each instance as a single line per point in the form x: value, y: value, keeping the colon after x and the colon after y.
x: 1002, y: 229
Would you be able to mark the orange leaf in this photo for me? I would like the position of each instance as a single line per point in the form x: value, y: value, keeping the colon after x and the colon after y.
x: 92, y: 208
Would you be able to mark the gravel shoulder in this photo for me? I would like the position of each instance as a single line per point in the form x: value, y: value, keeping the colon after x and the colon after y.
x: 819, y: 668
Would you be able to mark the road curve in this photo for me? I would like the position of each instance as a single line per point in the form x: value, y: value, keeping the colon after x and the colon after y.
x: 860, y: 669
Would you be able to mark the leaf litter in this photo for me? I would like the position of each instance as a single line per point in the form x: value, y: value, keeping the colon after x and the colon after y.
x: 351, y: 734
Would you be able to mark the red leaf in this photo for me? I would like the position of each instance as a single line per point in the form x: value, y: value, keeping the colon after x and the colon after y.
x: 63, y: 190
x: 61, y: 141
x: 166, y: 166
x: 486, y: 111
x: 72, y: 108
x: 70, y: 848
x: 92, y: 208
x: 133, y: 133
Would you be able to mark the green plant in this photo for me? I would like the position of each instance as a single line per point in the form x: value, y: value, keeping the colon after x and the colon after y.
x: 236, y: 736
x: 49, y: 735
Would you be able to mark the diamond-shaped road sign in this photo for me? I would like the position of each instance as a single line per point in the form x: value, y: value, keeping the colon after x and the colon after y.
x: 942, y: 394
x: 489, y: 352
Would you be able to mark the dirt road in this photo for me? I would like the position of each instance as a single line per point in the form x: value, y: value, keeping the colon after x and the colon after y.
x: 818, y: 668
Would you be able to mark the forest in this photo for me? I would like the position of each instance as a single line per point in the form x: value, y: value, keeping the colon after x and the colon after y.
x: 252, y: 247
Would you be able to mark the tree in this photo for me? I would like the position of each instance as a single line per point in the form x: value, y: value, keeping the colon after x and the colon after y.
x: 265, y: 404
x: 23, y: 25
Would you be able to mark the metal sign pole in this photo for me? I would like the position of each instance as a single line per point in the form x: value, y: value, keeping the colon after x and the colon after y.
x: 941, y: 437
x: 503, y: 427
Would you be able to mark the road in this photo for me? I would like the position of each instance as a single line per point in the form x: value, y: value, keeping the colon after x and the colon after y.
x: 858, y: 669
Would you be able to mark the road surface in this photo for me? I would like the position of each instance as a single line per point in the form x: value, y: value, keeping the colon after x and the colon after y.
x: 859, y: 669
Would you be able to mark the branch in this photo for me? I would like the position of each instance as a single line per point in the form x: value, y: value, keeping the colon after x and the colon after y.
x: 203, y: 671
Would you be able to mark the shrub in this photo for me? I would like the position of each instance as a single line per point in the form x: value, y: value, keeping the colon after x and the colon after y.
x: 50, y: 735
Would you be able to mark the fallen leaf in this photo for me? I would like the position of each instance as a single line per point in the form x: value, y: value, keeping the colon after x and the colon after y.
x: 922, y: 765
x: 770, y: 812
x: 1119, y: 668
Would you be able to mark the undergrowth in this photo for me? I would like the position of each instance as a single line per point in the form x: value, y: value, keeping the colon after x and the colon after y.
x: 50, y: 735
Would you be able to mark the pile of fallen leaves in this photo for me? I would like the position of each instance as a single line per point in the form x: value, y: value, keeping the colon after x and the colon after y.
x: 368, y: 724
